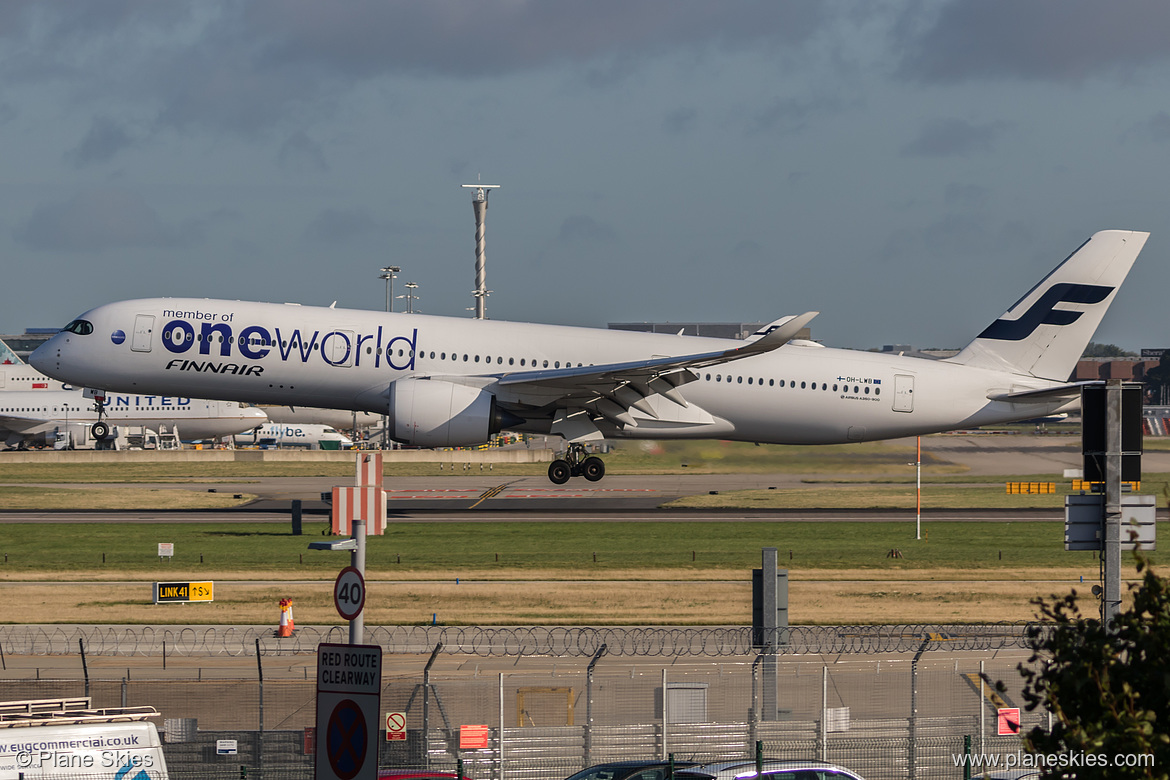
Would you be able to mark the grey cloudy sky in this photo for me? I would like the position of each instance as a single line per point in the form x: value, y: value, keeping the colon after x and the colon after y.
x: 907, y: 168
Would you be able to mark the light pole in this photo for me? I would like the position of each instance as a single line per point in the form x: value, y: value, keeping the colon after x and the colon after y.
x: 388, y: 274
x: 410, y: 296
x: 356, y: 546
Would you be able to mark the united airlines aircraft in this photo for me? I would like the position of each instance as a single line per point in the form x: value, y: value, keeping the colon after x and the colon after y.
x: 42, y: 417
x: 446, y: 381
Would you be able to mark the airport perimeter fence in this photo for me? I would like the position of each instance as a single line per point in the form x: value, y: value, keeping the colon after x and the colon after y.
x: 904, y: 711
x: 492, y: 641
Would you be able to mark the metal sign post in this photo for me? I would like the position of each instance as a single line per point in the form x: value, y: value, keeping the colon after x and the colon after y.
x: 352, y: 604
x: 349, y: 684
x: 1111, y: 442
x: 1111, y: 554
x: 357, y: 626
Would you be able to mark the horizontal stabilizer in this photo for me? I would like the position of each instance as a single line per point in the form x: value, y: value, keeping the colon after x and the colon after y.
x: 1044, y: 395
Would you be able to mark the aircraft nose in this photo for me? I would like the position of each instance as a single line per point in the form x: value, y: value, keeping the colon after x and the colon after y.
x: 42, y: 358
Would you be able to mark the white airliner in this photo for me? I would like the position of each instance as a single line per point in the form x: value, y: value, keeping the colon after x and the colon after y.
x: 40, y: 417
x: 311, y: 435
x: 446, y: 381
x: 341, y: 419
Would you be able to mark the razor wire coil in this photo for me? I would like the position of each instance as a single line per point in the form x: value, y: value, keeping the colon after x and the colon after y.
x: 491, y: 641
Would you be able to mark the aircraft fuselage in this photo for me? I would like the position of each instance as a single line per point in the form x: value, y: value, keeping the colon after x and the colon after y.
x: 800, y: 393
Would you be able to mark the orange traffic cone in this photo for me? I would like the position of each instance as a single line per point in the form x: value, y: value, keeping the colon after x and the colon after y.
x: 286, y: 627
x: 292, y: 626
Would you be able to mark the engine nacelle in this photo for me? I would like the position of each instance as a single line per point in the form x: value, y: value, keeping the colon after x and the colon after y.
x: 434, y: 413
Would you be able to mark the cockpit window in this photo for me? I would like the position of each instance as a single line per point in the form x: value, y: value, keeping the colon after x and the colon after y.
x: 80, y: 327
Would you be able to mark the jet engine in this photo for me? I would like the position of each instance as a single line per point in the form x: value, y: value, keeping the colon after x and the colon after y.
x: 434, y: 413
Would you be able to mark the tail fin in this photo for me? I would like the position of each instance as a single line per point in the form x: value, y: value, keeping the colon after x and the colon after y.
x: 1036, y: 337
x: 8, y: 357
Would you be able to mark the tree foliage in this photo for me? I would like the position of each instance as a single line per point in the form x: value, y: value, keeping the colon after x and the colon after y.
x: 1108, y: 691
x: 1095, y: 350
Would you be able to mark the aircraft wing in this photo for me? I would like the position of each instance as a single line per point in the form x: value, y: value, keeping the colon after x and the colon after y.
x: 655, y: 368
x: 612, y: 389
x: 26, y: 426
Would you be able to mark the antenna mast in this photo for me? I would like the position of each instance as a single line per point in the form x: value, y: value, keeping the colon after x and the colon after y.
x: 479, y: 204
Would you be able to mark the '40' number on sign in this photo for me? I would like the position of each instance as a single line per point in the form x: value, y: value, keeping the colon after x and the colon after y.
x: 349, y: 593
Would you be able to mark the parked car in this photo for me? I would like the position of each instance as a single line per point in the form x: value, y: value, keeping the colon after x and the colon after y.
x: 649, y: 769
x: 773, y: 770
x: 416, y: 774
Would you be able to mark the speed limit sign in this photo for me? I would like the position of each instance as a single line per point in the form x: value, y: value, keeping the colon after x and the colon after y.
x: 349, y: 593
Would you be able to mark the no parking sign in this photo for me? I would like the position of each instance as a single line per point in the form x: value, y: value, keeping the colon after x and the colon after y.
x: 349, y: 681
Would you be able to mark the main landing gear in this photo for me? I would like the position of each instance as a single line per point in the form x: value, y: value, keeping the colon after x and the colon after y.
x: 576, y: 464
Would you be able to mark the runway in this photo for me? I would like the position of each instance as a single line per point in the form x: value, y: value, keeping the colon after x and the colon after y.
x: 525, y: 513
x: 480, y: 496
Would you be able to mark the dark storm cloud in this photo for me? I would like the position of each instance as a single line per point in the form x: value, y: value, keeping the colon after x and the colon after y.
x: 101, y: 219
x: 790, y: 115
x: 301, y: 153
x: 341, y: 225
x: 679, y: 121
x: 244, y: 67
x: 106, y: 137
x: 1048, y: 40
x: 951, y: 138
x: 747, y: 250
x: 580, y: 229
x: 965, y: 196
x: 454, y: 37
x: 1156, y: 129
x: 46, y: 40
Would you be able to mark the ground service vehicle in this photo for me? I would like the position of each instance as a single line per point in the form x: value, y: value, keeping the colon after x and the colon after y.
x: 43, y: 738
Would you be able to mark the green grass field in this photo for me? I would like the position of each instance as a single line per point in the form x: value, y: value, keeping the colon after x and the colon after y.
x: 591, y: 573
x: 256, y: 551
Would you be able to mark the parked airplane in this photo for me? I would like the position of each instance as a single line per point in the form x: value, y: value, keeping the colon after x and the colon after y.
x: 15, y: 374
x: 342, y: 419
x: 44, y: 417
x: 309, y: 435
x: 447, y: 381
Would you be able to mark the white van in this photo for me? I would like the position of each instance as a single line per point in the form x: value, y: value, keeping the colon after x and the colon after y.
x: 66, y: 737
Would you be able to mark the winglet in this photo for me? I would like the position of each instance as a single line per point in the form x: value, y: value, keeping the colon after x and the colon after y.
x: 777, y: 335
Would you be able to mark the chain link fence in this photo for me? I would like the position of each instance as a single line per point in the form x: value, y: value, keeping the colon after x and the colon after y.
x: 887, y: 702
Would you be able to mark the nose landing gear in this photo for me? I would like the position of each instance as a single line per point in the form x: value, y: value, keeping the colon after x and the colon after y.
x: 100, y: 429
x: 576, y: 463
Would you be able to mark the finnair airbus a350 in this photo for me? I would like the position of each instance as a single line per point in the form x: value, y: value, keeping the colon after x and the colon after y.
x: 451, y: 381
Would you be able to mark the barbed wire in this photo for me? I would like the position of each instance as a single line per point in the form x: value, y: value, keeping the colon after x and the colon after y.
x: 488, y: 641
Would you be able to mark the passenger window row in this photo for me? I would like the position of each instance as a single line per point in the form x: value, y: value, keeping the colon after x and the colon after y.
x: 857, y: 389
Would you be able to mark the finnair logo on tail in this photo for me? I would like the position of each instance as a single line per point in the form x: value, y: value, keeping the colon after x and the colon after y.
x: 1044, y: 311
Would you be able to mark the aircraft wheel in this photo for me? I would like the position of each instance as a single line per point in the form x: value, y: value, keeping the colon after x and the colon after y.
x: 100, y: 430
x: 559, y: 472
x: 593, y: 468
